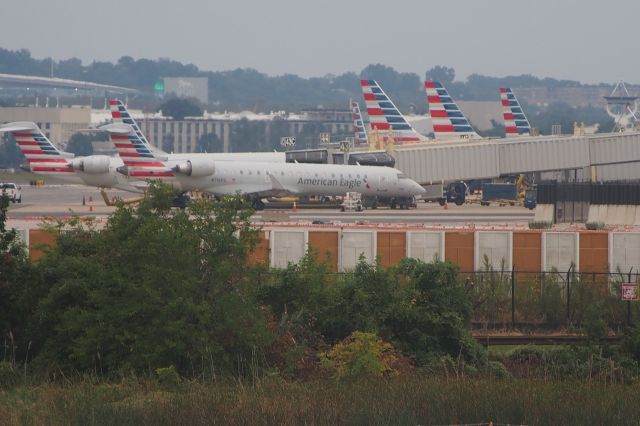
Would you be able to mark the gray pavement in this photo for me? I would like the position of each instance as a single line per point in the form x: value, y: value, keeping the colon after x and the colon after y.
x: 67, y: 200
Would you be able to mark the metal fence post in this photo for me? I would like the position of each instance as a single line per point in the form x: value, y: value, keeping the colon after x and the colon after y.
x: 569, y: 294
x: 629, y: 303
x: 513, y: 296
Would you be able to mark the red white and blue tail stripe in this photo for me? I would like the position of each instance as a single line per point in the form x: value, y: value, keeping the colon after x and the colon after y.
x: 132, y: 146
x: 42, y: 156
x: 119, y: 114
x: 447, y: 119
x: 515, y: 122
x: 359, y: 130
x: 385, y: 117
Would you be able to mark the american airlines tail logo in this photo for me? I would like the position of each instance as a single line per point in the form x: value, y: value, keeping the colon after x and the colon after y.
x: 133, y: 148
x: 515, y: 122
x: 41, y: 154
x: 384, y: 116
x: 360, y: 132
x: 447, y: 119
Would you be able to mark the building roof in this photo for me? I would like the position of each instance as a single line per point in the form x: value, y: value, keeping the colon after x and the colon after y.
x: 61, y: 83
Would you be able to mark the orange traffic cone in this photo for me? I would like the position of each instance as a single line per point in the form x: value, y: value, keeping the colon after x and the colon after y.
x: 446, y: 205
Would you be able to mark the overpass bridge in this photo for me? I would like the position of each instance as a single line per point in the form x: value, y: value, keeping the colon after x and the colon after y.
x: 611, y: 156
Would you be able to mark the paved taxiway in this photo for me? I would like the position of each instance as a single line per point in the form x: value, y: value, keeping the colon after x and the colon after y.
x: 66, y: 200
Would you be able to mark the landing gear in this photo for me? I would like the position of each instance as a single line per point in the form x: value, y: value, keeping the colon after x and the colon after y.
x: 258, y: 204
x: 404, y: 203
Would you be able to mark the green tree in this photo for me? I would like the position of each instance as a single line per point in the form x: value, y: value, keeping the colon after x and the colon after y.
x: 80, y: 144
x: 14, y: 272
x: 179, y: 108
x: 156, y: 287
x: 10, y: 154
x: 440, y: 73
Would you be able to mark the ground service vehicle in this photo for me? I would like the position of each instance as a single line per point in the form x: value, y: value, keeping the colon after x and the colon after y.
x: 456, y: 192
x: 12, y: 191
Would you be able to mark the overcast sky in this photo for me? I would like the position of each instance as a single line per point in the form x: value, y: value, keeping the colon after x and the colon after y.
x: 589, y: 40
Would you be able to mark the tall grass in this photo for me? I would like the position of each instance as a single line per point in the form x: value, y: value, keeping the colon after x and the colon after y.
x: 419, y: 400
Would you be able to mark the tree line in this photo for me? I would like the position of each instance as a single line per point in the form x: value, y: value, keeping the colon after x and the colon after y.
x: 246, y: 88
x: 170, y: 293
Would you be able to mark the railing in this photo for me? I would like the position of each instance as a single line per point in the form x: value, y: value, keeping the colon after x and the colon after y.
x: 548, y: 299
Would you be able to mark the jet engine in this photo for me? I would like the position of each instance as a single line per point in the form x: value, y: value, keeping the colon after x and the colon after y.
x: 93, y: 165
x: 196, y: 168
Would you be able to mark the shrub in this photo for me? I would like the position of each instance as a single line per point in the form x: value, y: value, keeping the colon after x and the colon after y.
x: 360, y: 355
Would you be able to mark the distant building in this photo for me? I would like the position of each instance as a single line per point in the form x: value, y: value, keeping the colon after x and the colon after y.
x: 183, y: 135
x: 58, y: 124
x: 188, y: 87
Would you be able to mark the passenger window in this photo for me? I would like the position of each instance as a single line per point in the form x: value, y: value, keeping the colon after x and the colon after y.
x: 281, y: 173
x: 241, y: 172
x: 258, y: 172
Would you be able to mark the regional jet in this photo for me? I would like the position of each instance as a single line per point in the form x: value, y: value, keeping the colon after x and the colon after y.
x: 256, y: 179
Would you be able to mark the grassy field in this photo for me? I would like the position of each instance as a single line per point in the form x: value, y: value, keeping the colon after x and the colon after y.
x: 419, y: 400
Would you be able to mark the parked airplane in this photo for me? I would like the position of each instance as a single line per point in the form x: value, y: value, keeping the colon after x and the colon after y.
x: 44, y: 158
x: 384, y: 116
x: 448, y: 121
x: 515, y: 122
x: 359, y: 130
x: 257, y: 180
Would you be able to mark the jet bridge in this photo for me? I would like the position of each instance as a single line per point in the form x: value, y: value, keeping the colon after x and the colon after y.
x: 613, y: 154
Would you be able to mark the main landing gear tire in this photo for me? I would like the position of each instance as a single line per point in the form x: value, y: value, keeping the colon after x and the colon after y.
x: 258, y: 204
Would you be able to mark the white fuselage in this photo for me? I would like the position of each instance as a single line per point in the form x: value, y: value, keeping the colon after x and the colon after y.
x: 263, y: 179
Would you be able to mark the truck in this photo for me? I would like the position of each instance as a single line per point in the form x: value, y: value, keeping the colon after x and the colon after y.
x: 12, y: 191
x: 456, y: 193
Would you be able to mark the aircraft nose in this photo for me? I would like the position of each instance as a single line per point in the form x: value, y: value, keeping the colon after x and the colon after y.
x: 418, y: 189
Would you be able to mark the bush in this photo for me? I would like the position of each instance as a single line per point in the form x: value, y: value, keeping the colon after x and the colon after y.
x: 361, y: 355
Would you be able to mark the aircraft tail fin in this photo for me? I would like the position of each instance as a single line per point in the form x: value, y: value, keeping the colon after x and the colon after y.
x: 448, y: 121
x: 42, y: 156
x: 384, y: 116
x: 119, y: 114
x: 359, y: 129
x: 515, y: 122
x: 138, y: 158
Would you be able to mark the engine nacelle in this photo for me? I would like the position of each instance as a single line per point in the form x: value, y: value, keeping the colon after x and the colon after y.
x: 196, y: 168
x: 94, y: 164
